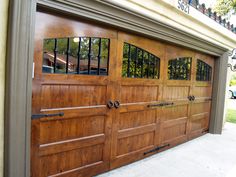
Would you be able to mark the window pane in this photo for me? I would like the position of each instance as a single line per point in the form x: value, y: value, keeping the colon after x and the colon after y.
x: 125, y: 60
x: 48, y: 55
x: 179, y: 68
x: 105, y: 43
x: 73, y: 55
x: 76, y: 55
x: 203, y: 71
x: 138, y: 63
x: 84, y: 51
x: 61, y: 55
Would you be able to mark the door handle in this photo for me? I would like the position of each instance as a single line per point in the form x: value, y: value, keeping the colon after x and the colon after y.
x: 117, y: 104
x: 110, y: 104
x: 38, y: 116
x: 190, y: 98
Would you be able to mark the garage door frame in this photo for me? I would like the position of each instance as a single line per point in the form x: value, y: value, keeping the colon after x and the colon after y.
x: 20, y: 60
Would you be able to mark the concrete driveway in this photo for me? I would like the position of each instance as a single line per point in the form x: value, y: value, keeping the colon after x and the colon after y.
x: 207, y: 156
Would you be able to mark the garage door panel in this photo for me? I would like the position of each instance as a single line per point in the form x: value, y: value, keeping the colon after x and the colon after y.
x: 136, y: 119
x: 175, y: 112
x: 59, y: 130
x: 201, y: 92
x: 134, y: 143
x: 202, y: 107
x: 73, y: 81
x: 70, y: 160
x: 197, y: 124
x: 173, y: 129
x: 138, y: 93
x: 173, y: 132
x: 136, y: 127
x: 176, y: 93
x: 61, y: 96
x: 199, y: 121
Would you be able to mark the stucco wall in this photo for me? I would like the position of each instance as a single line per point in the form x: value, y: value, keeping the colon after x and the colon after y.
x: 195, y: 23
x: 3, y: 36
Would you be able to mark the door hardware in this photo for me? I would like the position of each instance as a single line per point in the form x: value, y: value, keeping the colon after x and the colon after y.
x: 160, y: 104
x: 38, y: 116
x: 117, y: 104
x: 190, y: 98
x: 110, y: 104
x: 156, y: 149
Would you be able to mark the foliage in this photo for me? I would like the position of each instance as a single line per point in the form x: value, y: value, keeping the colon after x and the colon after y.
x: 75, y: 48
x: 231, y: 116
x: 141, y: 63
x: 224, y: 7
x: 233, y: 80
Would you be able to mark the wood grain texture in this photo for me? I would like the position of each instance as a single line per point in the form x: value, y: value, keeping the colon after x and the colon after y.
x: 91, y: 138
x: 78, y: 143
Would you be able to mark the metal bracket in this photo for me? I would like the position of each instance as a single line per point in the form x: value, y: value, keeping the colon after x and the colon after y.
x: 156, y: 149
x: 38, y: 116
x: 160, y: 104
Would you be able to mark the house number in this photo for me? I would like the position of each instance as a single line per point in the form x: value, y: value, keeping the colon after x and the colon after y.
x: 183, y: 5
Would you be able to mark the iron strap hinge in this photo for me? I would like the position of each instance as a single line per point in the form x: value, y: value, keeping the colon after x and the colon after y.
x: 156, y: 149
x: 160, y: 104
x: 38, y: 116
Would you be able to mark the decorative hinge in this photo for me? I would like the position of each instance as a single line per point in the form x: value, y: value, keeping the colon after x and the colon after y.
x: 156, y: 149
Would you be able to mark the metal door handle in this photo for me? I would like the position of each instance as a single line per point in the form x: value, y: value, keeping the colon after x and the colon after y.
x: 117, y: 104
x: 110, y: 104
x: 190, y: 98
x: 38, y: 116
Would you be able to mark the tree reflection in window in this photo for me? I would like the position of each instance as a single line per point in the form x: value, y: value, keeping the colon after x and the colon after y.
x: 138, y: 63
x: 179, y: 68
x: 204, y: 71
x: 76, y: 55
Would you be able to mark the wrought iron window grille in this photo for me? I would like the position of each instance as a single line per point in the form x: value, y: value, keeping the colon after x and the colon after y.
x: 76, y: 55
x: 138, y: 63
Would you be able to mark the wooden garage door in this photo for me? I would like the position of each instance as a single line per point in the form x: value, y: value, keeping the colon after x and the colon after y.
x: 136, y: 126
x: 178, y: 80
x: 103, y: 98
x: 73, y: 82
x: 202, y: 95
x: 188, y: 84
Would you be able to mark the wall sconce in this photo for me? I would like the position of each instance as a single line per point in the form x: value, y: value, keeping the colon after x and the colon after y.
x: 233, y: 56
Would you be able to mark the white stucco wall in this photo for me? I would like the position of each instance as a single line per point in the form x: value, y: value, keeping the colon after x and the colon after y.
x: 194, y: 23
x: 3, y: 36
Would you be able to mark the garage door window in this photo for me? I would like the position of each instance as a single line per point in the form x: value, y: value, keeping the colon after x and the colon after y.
x: 179, y: 68
x: 204, y: 71
x: 138, y: 63
x: 76, y: 55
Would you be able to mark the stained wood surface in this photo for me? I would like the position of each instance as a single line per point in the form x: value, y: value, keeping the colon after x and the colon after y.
x: 91, y: 138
